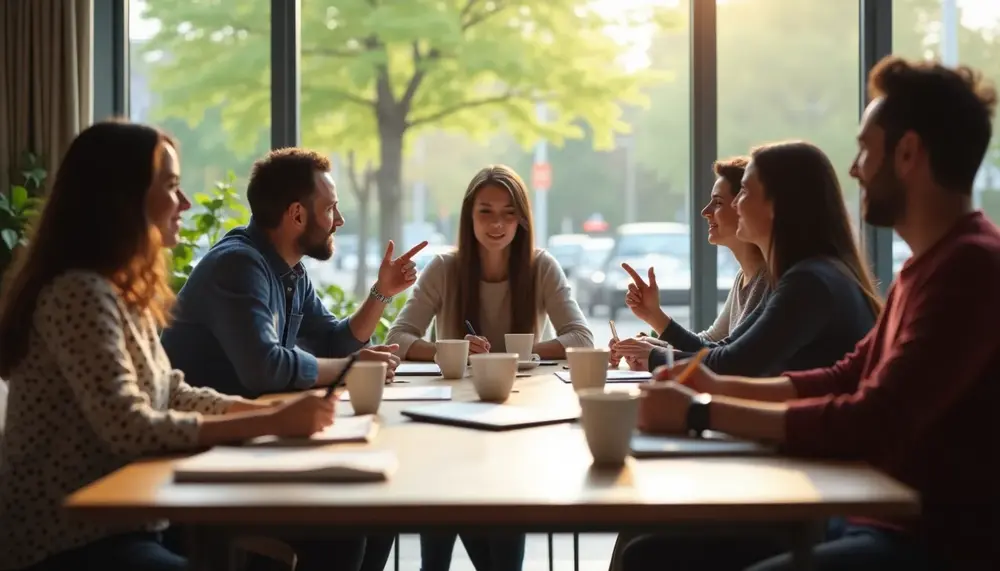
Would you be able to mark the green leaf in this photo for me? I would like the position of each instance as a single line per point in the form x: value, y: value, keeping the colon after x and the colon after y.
x: 18, y: 197
x: 10, y: 238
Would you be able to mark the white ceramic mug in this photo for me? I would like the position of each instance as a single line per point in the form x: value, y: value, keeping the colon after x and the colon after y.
x: 608, y: 419
x: 452, y: 357
x: 365, y: 385
x: 493, y: 375
x: 588, y: 366
x: 520, y: 343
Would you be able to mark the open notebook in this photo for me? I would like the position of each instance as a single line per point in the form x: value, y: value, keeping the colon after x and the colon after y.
x: 344, y: 429
x: 226, y: 464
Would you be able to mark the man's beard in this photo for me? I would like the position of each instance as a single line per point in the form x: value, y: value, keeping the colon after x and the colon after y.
x: 315, y: 242
x: 885, y: 198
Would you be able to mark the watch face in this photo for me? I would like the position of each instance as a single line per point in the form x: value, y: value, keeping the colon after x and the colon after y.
x: 703, y: 398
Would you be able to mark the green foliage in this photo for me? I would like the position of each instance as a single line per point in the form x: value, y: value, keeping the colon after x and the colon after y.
x: 342, y: 305
x: 210, y: 218
x: 19, y: 209
x: 371, y: 72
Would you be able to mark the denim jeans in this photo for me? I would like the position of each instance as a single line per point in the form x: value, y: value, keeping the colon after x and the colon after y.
x: 488, y: 551
x: 127, y: 552
x: 845, y: 547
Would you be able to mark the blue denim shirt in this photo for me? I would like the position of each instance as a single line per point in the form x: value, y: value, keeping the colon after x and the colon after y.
x: 231, y: 330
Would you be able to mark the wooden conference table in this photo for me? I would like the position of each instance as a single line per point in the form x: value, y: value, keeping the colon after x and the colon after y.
x: 536, y: 479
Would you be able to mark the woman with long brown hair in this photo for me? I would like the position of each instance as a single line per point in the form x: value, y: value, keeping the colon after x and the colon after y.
x: 91, y: 388
x: 500, y: 283
x: 824, y: 299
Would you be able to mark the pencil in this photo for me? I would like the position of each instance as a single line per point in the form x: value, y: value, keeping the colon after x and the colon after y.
x: 692, y: 365
x: 343, y: 374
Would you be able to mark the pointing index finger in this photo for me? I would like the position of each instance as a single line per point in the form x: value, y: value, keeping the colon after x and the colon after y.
x: 413, y: 251
x: 634, y: 275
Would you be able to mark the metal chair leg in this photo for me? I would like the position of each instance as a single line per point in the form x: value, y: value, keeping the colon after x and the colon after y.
x: 576, y: 551
x: 396, y: 553
x: 552, y: 563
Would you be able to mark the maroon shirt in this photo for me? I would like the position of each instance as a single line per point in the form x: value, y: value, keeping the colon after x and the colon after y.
x: 919, y: 398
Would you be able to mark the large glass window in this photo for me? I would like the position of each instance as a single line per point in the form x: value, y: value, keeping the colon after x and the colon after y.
x: 202, y: 71
x: 588, y: 101
x: 954, y: 32
x: 789, y: 70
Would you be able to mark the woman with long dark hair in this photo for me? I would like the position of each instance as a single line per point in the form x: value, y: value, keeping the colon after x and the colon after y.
x: 823, y: 298
x: 91, y: 388
x: 500, y: 283
x: 496, y: 280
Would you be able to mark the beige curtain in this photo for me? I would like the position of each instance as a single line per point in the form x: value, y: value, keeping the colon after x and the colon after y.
x: 45, y: 79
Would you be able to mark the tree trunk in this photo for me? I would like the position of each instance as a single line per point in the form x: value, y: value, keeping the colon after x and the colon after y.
x: 389, y: 179
x: 361, y: 279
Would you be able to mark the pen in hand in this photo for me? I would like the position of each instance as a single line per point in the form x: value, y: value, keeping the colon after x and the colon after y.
x: 340, y: 377
x: 468, y: 327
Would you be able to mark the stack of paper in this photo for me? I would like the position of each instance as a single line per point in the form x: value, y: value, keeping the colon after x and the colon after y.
x: 225, y: 464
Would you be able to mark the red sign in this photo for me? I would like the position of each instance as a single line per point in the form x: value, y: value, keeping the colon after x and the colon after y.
x: 541, y: 176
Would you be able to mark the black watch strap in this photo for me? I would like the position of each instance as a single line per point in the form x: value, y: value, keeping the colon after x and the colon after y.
x: 698, y: 420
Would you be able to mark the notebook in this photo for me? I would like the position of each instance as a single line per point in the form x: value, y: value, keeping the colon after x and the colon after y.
x: 441, y: 392
x: 226, y: 464
x: 488, y: 416
x: 343, y: 430
x: 418, y: 370
x: 614, y: 376
x: 712, y: 444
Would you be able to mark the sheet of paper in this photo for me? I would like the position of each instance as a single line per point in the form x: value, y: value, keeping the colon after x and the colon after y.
x: 614, y: 376
x: 360, y: 428
x: 411, y: 393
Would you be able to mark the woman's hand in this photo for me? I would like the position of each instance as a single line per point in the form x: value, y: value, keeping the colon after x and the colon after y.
x: 635, y: 352
x: 477, y: 344
x: 304, y: 415
x: 644, y: 299
x: 663, y: 407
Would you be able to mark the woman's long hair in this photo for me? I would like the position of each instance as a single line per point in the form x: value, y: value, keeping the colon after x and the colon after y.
x: 94, y: 219
x: 521, y: 268
x: 810, y: 217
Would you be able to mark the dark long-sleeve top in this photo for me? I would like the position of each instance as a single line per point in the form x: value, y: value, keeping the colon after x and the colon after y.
x: 815, y: 315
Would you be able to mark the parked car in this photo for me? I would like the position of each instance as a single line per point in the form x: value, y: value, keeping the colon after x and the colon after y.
x: 666, y: 247
x: 567, y: 249
x: 589, y: 272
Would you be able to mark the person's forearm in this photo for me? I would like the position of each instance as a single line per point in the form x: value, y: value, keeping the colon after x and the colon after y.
x: 244, y: 405
x: 366, y: 318
x: 659, y: 322
x: 421, y: 350
x: 775, y: 389
x: 551, y: 349
x: 233, y: 427
x: 754, y: 420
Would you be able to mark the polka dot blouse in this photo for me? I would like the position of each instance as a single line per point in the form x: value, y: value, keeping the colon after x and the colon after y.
x: 94, y: 393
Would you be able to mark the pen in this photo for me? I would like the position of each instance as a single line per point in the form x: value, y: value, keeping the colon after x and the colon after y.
x: 340, y: 378
x: 614, y: 332
x: 469, y: 328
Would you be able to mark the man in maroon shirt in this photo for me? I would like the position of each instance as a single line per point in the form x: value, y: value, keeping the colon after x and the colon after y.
x: 916, y: 398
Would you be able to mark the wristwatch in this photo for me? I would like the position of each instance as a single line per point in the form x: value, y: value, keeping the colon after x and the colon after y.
x: 697, y: 414
x: 377, y: 295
